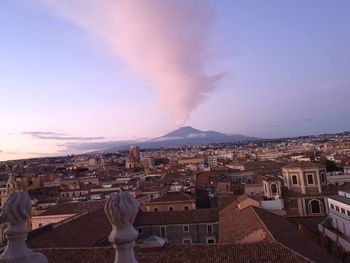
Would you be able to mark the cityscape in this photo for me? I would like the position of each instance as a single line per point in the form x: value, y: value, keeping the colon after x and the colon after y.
x: 139, y: 131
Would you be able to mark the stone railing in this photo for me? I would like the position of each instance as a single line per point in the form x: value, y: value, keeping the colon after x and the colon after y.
x: 121, y: 210
x: 17, y: 210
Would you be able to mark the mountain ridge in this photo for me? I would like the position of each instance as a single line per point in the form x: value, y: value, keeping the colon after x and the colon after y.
x: 186, y: 135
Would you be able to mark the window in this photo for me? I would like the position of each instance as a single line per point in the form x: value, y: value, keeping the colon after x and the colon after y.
x: 186, y: 208
x: 348, y: 212
x: 40, y: 225
x: 140, y: 230
x: 155, y: 209
x: 337, y: 208
x: 343, y: 211
x: 186, y: 229
x: 171, y: 208
x: 310, y: 179
x: 209, y: 229
x: 332, y: 206
x: 315, y: 207
x: 323, y: 178
x: 162, y: 232
x: 294, y: 179
x: 273, y: 188
x: 211, y: 240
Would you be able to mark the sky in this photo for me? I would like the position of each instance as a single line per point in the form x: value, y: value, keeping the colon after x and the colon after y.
x: 78, y: 71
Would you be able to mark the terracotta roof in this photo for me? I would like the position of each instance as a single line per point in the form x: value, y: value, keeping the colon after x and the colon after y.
x: 262, y: 253
x: 303, y: 165
x: 241, y: 198
x: 225, y: 200
x: 205, y: 215
x: 85, y: 231
x: 173, y: 197
x: 236, y: 225
x: 287, y: 234
x: 73, y: 208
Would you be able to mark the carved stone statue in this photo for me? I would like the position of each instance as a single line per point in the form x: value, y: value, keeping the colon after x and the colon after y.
x: 121, y: 210
x: 17, y: 210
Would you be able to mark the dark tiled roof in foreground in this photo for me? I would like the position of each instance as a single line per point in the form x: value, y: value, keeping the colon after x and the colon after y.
x: 85, y: 231
x: 90, y: 229
x: 235, y: 225
x: 258, y: 252
x: 287, y: 234
x: 73, y: 208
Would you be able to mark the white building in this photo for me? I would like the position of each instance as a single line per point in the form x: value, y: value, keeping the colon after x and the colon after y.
x: 336, y: 226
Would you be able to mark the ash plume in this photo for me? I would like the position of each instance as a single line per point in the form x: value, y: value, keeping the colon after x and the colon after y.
x: 163, y: 41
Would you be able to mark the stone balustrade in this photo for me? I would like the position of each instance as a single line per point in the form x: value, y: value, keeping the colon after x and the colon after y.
x: 17, y: 209
x: 121, y: 210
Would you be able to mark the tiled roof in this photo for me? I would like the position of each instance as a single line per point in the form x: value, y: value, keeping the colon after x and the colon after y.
x: 235, y: 225
x: 225, y: 200
x: 90, y: 229
x: 173, y: 197
x: 287, y: 234
x: 304, y: 165
x: 85, y: 231
x: 253, y: 253
x: 73, y: 208
x: 205, y: 215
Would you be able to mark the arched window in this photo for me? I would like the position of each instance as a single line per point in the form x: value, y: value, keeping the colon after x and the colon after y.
x: 273, y: 188
x: 315, y: 207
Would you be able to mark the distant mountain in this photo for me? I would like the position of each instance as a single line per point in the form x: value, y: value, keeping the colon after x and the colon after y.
x: 182, y: 136
x: 188, y: 135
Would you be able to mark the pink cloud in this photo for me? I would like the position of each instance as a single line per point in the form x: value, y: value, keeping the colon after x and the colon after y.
x: 163, y: 41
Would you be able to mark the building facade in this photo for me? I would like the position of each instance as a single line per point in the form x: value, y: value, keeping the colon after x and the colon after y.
x: 195, y: 226
x: 303, y: 189
x: 335, y: 229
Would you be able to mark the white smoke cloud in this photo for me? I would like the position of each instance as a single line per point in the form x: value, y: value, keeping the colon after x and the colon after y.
x: 164, y: 41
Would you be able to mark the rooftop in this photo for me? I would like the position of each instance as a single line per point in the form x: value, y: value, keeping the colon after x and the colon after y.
x: 265, y: 252
x: 237, y: 227
x: 83, y: 231
x: 340, y: 198
x: 73, y: 208
x: 304, y: 165
x: 173, y: 197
